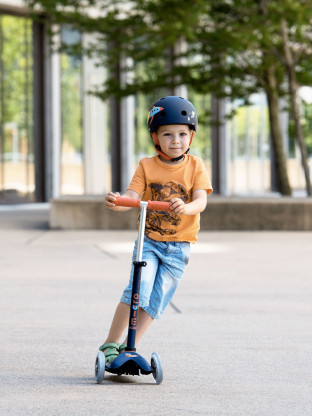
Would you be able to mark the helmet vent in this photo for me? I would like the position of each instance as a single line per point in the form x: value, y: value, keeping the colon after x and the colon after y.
x: 163, y: 113
x: 184, y: 113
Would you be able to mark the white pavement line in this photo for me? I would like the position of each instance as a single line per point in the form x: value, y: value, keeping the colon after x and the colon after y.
x: 174, y: 307
x: 36, y: 237
x: 120, y: 248
x: 202, y: 248
x: 105, y: 252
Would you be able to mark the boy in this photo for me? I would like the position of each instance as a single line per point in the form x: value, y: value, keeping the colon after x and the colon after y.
x: 171, y: 176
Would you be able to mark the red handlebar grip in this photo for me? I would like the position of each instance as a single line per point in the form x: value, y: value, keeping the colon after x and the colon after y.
x: 136, y: 203
x: 159, y: 206
x: 128, y: 202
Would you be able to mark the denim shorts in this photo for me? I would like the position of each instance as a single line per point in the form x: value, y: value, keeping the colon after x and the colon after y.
x: 165, y: 265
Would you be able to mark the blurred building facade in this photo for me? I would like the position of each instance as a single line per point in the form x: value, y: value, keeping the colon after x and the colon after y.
x: 56, y: 139
x: 53, y: 133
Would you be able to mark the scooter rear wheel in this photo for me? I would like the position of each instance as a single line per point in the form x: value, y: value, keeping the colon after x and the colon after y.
x: 157, y: 368
x: 99, y: 367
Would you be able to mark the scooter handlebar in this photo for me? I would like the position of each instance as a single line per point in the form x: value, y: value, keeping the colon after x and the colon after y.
x: 136, y: 203
x: 128, y: 202
x: 158, y: 205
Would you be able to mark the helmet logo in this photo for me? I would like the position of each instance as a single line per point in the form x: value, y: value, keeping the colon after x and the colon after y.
x: 154, y: 110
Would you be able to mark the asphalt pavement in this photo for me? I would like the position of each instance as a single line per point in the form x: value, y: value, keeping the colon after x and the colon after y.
x: 237, y: 339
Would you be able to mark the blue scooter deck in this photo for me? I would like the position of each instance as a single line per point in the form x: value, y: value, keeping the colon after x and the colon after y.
x: 129, y: 363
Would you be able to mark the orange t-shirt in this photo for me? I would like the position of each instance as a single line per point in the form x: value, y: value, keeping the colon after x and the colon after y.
x: 157, y: 181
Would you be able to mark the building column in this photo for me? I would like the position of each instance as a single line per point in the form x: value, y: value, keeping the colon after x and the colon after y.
x: 94, y: 130
x: 122, y: 142
x: 219, y: 146
x: 122, y: 138
x: 127, y: 141
x: 39, y: 113
x: 52, y: 124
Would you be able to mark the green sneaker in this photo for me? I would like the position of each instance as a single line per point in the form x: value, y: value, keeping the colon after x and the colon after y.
x: 111, y: 351
x: 122, y: 348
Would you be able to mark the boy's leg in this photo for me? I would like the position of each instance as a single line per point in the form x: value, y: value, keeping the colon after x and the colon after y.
x: 144, y: 321
x: 119, y: 323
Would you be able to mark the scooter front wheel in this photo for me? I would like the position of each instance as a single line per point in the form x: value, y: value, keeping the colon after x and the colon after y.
x: 99, y: 367
x: 157, y: 368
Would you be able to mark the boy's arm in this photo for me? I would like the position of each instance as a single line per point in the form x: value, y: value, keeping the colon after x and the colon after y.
x: 197, y: 205
x: 111, y: 198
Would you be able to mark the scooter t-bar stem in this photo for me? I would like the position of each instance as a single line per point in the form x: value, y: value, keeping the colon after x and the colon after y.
x: 136, y: 281
x: 137, y: 203
x: 144, y: 206
x: 138, y: 263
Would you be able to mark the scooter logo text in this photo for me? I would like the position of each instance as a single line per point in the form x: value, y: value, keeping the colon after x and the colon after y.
x: 135, y: 307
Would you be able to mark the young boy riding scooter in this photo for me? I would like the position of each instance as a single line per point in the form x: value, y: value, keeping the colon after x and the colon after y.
x: 175, y: 177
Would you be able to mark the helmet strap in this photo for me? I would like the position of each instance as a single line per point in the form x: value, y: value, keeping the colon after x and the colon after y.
x: 192, y: 135
x: 158, y: 148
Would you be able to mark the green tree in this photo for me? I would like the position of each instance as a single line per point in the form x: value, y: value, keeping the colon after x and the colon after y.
x: 291, y: 60
x: 234, y: 48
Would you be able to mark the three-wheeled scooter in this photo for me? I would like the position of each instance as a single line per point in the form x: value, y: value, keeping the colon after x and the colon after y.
x: 130, y: 362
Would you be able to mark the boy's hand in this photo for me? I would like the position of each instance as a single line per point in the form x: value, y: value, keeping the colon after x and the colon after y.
x: 177, y: 206
x: 110, y: 199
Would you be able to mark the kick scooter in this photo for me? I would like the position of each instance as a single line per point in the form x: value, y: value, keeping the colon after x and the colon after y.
x: 130, y: 362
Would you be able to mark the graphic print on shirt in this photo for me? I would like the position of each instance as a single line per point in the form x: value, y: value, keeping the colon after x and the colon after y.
x: 164, y: 222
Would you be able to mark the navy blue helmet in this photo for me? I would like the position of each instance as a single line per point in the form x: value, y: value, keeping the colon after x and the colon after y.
x: 172, y: 110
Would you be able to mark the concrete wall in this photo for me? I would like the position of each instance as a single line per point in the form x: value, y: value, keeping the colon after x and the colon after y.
x: 221, y: 214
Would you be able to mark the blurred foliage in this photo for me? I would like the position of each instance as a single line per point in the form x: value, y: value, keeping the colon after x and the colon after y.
x: 16, y: 79
x: 306, y: 121
x: 307, y: 127
x: 228, y: 48
x: 230, y: 44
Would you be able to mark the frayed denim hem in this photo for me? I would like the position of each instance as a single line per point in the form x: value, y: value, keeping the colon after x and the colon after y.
x: 143, y: 305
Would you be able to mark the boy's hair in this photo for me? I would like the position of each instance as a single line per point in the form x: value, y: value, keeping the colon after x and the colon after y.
x: 171, y: 110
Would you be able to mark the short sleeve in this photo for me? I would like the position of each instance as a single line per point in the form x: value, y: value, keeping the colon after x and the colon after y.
x: 201, y: 179
x: 138, y: 181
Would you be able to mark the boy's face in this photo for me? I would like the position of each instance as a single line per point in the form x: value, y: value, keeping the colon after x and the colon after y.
x: 174, y: 139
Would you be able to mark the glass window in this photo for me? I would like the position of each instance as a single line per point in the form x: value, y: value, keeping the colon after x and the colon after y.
x: 249, y: 164
x: 72, y: 176
x: 144, y: 146
x: 17, y: 176
x: 201, y: 145
x: 307, y: 126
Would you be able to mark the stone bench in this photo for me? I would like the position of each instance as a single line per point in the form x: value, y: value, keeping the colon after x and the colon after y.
x: 222, y: 213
